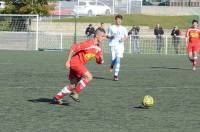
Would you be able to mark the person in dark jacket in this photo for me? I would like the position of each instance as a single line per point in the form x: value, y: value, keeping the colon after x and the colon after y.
x: 158, y: 31
x: 134, y: 32
x: 89, y: 32
x: 175, y: 38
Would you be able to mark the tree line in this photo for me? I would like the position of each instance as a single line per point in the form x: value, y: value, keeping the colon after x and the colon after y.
x: 40, y: 7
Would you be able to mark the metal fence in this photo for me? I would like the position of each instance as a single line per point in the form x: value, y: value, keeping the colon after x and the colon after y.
x: 61, y: 41
x: 188, y: 3
x: 31, y: 32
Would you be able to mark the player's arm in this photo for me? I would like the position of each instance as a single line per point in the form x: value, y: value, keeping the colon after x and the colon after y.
x: 187, y: 33
x: 99, y: 58
x: 70, y: 54
x: 125, y: 35
x: 125, y: 38
x: 187, y: 36
x: 110, y: 35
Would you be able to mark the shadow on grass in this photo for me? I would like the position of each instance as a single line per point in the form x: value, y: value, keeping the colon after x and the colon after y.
x: 140, y: 107
x: 171, y: 68
x: 46, y: 100
x: 102, y: 78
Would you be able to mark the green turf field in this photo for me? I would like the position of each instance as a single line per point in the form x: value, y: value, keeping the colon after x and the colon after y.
x: 28, y: 80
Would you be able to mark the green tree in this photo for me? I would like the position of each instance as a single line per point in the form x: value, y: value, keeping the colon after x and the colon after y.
x: 26, y: 7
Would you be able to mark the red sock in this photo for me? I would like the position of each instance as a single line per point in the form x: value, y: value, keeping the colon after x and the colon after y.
x: 80, y: 86
x: 63, y: 92
x: 60, y: 96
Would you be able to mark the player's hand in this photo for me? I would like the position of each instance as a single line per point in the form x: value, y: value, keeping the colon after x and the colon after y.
x: 122, y: 40
x: 112, y: 36
x: 67, y: 65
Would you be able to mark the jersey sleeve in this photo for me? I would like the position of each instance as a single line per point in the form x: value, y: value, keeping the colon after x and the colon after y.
x: 188, y: 32
x: 81, y: 46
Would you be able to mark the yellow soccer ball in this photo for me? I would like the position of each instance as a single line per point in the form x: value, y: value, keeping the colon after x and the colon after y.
x: 148, y: 101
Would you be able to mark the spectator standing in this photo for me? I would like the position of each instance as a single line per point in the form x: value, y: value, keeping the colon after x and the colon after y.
x: 175, y: 38
x: 158, y: 31
x: 134, y: 32
x: 102, y: 25
x: 89, y: 32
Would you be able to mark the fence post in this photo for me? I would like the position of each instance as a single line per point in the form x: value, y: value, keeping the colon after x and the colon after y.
x: 113, y: 8
x: 130, y: 45
x: 37, y: 33
x: 166, y: 44
x: 61, y: 41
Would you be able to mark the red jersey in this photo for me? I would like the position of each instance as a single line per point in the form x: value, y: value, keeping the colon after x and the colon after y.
x: 86, y: 51
x: 193, y: 34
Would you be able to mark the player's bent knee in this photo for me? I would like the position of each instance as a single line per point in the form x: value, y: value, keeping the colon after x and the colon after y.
x: 90, y: 77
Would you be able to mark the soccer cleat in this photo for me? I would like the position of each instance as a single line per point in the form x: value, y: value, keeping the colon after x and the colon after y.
x: 194, y: 68
x: 116, y: 78
x: 57, y: 101
x: 74, y: 96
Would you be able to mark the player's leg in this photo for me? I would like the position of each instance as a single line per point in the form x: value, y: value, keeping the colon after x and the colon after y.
x: 190, y: 49
x: 190, y: 56
x: 119, y: 55
x: 83, y: 82
x: 195, y: 60
x: 63, y: 92
x: 113, y: 58
x: 87, y: 77
x: 68, y: 88
x: 117, y: 69
x: 195, y: 56
x: 190, y: 52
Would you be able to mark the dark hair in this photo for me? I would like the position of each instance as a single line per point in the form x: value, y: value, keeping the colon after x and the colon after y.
x: 193, y: 21
x: 99, y: 30
x: 118, y: 16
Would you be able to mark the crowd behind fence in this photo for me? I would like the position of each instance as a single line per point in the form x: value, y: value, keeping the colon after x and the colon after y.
x: 62, y: 41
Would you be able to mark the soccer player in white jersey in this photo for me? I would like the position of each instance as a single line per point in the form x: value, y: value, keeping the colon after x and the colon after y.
x: 117, y: 34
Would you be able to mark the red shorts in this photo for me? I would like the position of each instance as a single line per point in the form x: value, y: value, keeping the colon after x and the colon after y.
x: 193, y: 47
x: 77, y: 71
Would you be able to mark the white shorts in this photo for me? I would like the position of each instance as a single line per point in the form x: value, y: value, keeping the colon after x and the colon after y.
x: 117, y: 51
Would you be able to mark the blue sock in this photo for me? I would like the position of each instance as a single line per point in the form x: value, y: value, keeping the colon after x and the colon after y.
x: 113, y: 62
x: 117, y: 67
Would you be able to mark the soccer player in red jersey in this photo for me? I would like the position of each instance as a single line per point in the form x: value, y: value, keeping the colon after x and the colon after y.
x: 193, y: 46
x: 79, y: 75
